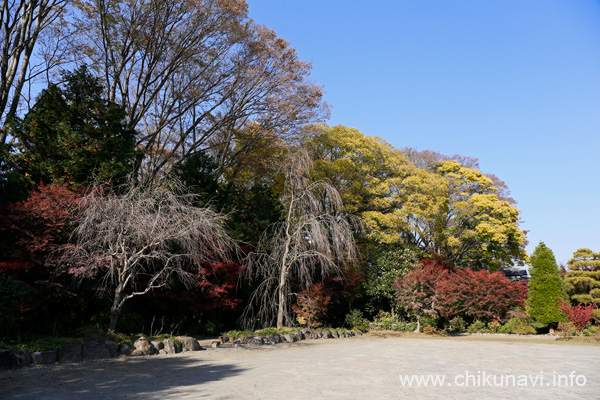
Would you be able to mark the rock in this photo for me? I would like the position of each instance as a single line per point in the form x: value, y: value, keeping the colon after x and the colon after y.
x: 306, y: 331
x: 237, y: 343
x: 142, y: 347
x: 350, y: 333
x: 162, y: 352
x: 169, y: 346
x: 112, y: 347
x: 289, y: 338
x: 125, y: 350
x: 70, y: 353
x: 327, y: 335
x: 215, y: 344
x: 278, y: 338
x: 358, y: 333
x: 13, y: 359
x: 300, y: 335
x: 158, y: 345
x: 255, y: 341
x: 319, y: 335
x: 342, y: 334
x: 94, y: 350
x: 244, y: 340
x: 44, y: 357
x: 335, y: 334
x: 271, y: 339
x: 224, y: 339
x: 190, y: 343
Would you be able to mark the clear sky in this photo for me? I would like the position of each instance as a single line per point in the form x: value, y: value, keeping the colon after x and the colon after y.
x: 513, y: 83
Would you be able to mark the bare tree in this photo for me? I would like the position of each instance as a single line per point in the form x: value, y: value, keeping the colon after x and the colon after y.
x: 142, y: 240
x: 315, y: 237
x: 194, y: 74
x: 23, y: 23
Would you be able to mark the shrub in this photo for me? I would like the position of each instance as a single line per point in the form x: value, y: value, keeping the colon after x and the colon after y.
x: 566, y: 328
x: 431, y: 330
x: 457, y: 324
x: 517, y: 326
x: 579, y: 315
x: 355, y: 320
x: 477, y: 327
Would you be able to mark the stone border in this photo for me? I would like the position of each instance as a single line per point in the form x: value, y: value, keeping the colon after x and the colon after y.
x: 99, y: 349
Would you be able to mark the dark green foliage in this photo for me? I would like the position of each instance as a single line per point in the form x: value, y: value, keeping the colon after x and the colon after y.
x: 72, y: 134
x: 546, y: 288
x: 251, y: 209
x: 457, y: 324
x: 355, y: 320
x: 387, y: 265
x: 13, y: 299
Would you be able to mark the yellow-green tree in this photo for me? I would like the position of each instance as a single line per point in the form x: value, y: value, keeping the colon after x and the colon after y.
x: 442, y: 207
x: 583, y: 279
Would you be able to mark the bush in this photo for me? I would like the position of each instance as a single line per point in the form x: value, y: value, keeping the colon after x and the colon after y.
x: 431, y: 330
x: 517, y: 326
x: 477, y: 327
x: 355, y: 320
x: 457, y: 324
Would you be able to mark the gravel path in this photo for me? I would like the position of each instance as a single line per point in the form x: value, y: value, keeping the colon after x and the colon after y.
x: 351, y: 368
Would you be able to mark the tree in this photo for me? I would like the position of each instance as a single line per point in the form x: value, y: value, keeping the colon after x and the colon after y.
x: 141, y: 240
x: 435, y: 204
x: 546, y: 288
x: 417, y: 291
x: 196, y: 75
x: 23, y: 24
x: 583, y: 278
x: 314, y: 237
x: 72, y: 134
x: 479, y: 295
x: 388, y: 266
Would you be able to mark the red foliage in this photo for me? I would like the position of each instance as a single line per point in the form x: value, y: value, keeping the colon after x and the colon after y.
x: 479, y: 295
x: 312, y: 305
x: 579, y: 315
x: 32, y: 229
x: 218, y: 283
x: 417, y: 289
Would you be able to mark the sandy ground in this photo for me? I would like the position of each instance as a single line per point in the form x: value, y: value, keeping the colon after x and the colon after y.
x: 351, y: 368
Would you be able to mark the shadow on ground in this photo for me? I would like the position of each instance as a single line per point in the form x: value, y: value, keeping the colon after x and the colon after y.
x: 144, y: 377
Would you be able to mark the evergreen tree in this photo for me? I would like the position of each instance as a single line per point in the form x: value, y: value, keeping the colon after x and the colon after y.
x: 72, y: 134
x: 546, y: 288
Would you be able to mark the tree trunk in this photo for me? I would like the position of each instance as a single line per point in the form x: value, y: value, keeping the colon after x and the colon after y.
x: 115, y: 310
x: 418, y: 330
x: 280, y: 310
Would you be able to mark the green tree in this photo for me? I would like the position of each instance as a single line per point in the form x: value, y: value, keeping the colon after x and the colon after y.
x: 546, y: 288
x: 73, y: 134
x: 583, y: 279
x: 388, y: 265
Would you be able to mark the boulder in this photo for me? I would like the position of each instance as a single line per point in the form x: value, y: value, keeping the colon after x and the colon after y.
x: 158, y: 345
x: 112, y: 347
x: 327, y: 335
x: 289, y: 338
x: 169, y: 346
x: 142, y: 347
x: 190, y: 343
x: 271, y: 339
x: 125, y: 350
x: 215, y: 344
x: 70, y: 353
x: 224, y: 339
x: 44, y: 357
x: 335, y: 334
x: 94, y: 350
x: 278, y: 338
x: 255, y: 341
x: 162, y: 352
x: 358, y: 333
x: 13, y: 359
x: 342, y: 334
x: 299, y: 335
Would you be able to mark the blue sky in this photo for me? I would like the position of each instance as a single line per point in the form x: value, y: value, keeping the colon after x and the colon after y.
x: 515, y: 84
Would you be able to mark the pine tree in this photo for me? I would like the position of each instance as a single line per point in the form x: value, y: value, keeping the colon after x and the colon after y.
x: 546, y: 288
